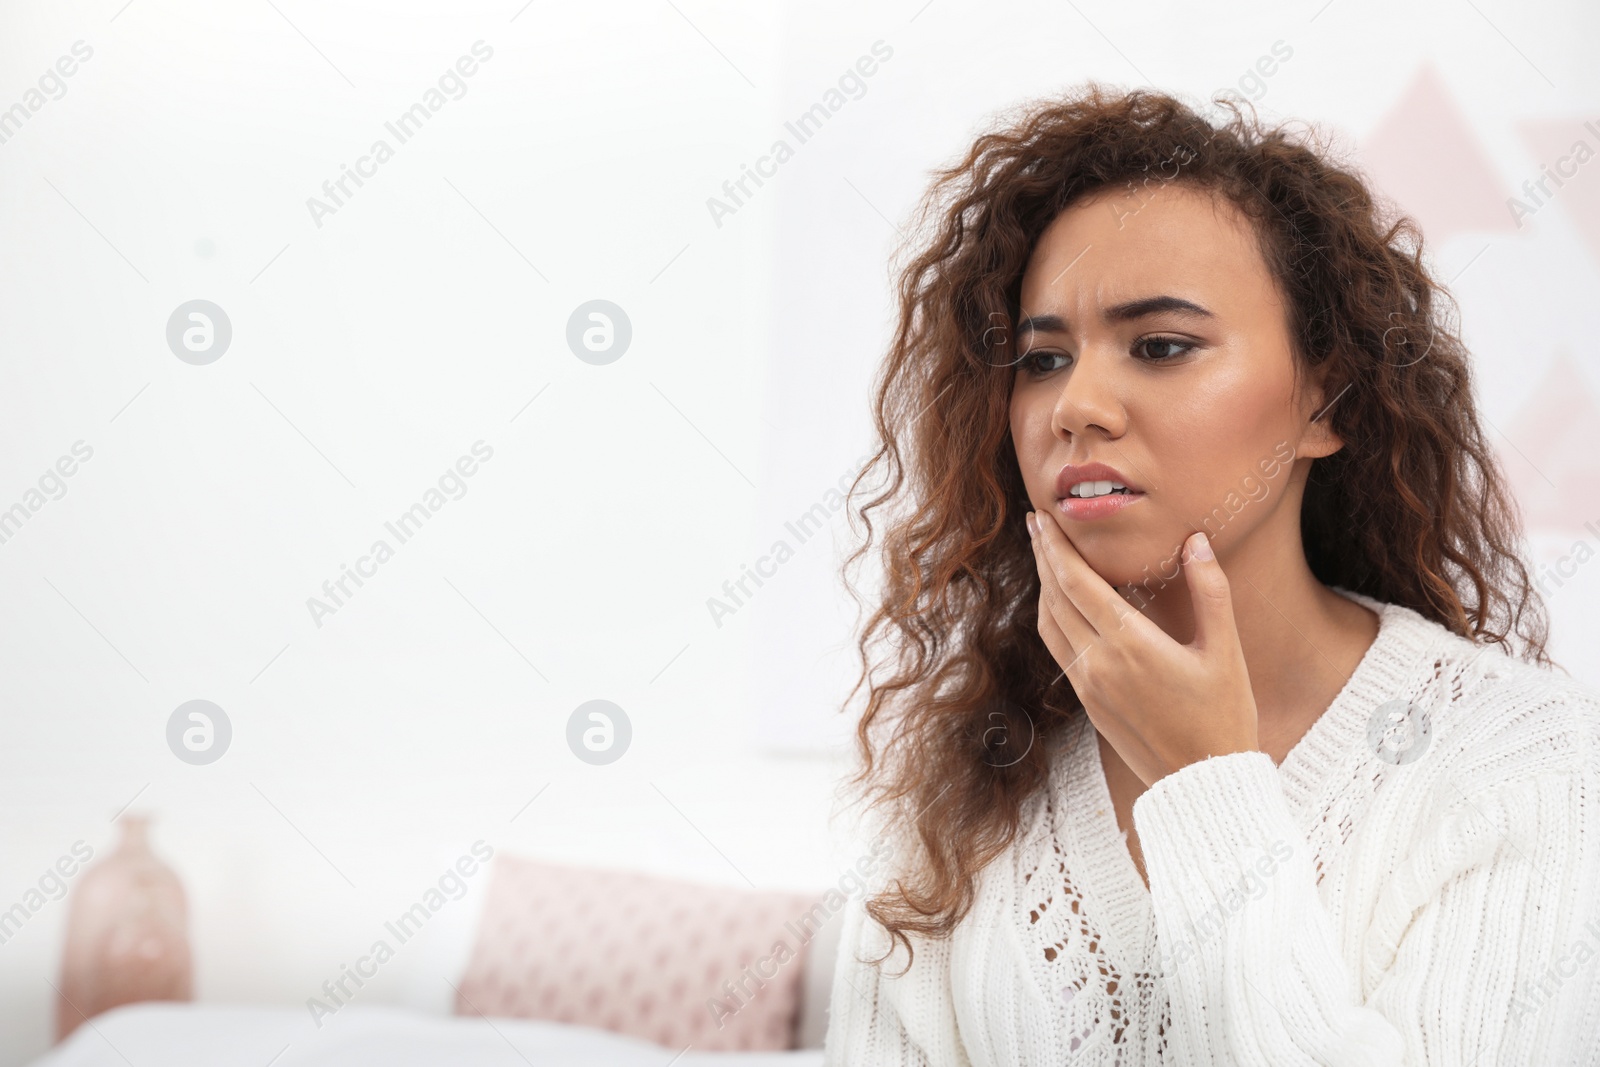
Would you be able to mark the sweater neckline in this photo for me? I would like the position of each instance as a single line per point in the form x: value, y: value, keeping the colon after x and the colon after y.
x: 1385, y: 672
x: 1403, y: 638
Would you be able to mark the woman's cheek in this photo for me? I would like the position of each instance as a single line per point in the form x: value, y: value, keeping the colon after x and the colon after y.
x: 1031, y: 439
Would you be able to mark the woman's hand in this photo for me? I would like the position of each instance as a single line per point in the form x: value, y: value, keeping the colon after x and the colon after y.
x: 1162, y: 705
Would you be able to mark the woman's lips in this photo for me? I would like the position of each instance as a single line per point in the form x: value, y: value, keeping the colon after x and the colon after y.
x: 1071, y: 474
x: 1088, y: 509
x: 1084, y: 509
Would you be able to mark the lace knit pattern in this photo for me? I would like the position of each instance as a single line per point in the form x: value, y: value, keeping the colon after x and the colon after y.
x: 1109, y: 998
x: 1417, y: 883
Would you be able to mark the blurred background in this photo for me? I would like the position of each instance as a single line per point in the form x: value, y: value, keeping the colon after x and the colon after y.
x: 581, y: 383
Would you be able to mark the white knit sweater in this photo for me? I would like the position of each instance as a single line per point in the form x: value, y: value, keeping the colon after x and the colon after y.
x: 1366, y: 902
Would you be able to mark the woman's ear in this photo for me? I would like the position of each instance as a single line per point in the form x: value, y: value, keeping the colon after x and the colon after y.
x: 1319, y: 438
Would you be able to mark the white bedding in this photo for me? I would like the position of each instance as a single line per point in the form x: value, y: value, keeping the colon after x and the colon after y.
x: 186, y: 1035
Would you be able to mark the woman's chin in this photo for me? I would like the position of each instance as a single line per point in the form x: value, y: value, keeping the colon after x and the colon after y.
x: 1138, y: 577
x: 1120, y: 575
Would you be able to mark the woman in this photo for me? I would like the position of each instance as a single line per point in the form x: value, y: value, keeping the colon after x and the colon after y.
x: 1217, y: 722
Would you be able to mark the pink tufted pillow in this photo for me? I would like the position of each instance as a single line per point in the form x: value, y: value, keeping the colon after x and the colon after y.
x: 671, y: 962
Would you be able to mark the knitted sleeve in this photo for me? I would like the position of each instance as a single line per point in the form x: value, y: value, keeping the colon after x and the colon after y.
x: 1483, y: 948
x: 878, y: 1017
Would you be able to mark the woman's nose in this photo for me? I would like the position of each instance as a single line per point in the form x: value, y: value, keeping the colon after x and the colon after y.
x: 1090, y: 397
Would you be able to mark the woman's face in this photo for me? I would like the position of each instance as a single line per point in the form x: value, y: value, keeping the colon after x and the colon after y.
x: 1153, y: 340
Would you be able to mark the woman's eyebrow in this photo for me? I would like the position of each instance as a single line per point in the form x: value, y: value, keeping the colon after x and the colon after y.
x: 1133, y: 309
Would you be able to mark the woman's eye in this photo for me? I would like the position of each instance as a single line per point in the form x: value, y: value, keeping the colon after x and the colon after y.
x: 1152, y: 346
x: 1033, y: 361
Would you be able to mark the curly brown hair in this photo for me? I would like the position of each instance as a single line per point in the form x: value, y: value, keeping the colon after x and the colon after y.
x: 1412, y: 510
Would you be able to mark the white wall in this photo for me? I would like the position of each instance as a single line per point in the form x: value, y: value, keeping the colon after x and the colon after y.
x: 370, y: 352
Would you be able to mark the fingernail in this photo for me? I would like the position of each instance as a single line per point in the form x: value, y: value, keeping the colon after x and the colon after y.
x: 1033, y: 526
x: 1200, y: 547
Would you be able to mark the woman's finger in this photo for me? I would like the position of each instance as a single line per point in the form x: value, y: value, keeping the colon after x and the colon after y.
x: 1056, y: 641
x: 1125, y: 736
x: 1077, y: 629
x: 1210, y: 595
x: 1096, y: 600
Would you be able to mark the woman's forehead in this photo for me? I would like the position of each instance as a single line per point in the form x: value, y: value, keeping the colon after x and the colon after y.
x: 1115, y: 247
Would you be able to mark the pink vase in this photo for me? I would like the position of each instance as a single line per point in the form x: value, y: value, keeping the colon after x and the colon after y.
x: 127, y: 934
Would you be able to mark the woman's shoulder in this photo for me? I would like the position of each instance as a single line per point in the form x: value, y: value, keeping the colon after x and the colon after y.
x: 1530, y: 716
x: 1493, y: 714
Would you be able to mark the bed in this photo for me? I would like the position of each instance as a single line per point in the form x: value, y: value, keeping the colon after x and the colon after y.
x: 190, y: 1035
x: 550, y: 964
